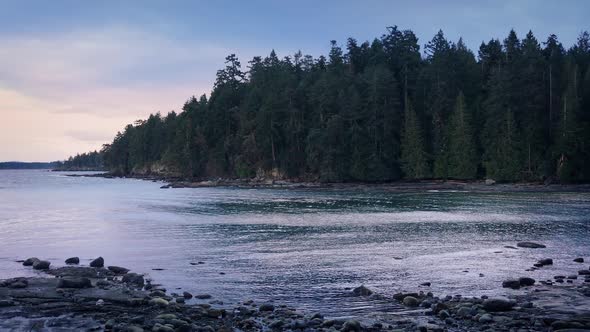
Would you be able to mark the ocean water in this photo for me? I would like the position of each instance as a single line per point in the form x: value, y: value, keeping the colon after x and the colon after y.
x: 301, y: 247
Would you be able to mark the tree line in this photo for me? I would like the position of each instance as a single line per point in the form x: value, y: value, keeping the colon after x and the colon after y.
x: 91, y: 161
x: 380, y: 111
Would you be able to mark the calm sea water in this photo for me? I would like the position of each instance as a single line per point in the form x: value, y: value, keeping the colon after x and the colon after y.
x: 299, y: 247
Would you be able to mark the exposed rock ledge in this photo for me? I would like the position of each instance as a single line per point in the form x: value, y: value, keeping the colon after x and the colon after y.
x: 113, y: 299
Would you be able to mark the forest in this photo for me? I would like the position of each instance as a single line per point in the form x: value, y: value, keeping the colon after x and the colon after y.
x: 91, y: 161
x: 380, y: 111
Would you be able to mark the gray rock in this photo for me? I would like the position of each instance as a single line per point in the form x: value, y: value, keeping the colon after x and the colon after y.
x: 266, y: 307
x: 15, y: 283
x: 443, y: 314
x: 362, y: 291
x: 579, y: 260
x: 30, y: 261
x: 180, y: 300
x: 464, y: 312
x: 41, y: 265
x: 187, y: 295
x: 584, y: 272
x: 203, y: 296
x: 545, y: 261
x: 530, y: 245
x: 74, y: 283
x: 133, y: 278
x: 159, y: 302
x: 411, y: 301
x: 118, y: 269
x: 511, y: 283
x: 351, y: 325
x: 497, y: 305
x: 526, y: 281
x: 98, y: 262
x: 73, y: 260
x: 103, y: 283
x: 490, y: 182
x: 486, y: 318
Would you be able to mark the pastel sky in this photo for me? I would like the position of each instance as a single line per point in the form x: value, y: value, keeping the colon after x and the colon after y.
x: 73, y: 73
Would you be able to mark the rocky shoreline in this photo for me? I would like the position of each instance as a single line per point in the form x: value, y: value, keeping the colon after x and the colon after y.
x: 99, y: 298
x: 396, y: 186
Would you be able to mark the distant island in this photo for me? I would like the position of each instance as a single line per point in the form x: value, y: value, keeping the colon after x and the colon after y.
x: 27, y: 165
x: 91, y: 161
x: 379, y: 111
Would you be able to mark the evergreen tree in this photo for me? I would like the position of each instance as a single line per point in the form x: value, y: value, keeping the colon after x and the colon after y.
x: 414, y: 158
x: 462, y: 152
x: 518, y: 112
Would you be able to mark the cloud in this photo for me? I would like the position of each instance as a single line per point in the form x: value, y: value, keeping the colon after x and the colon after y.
x: 71, y: 92
x: 107, y: 65
x: 89, y: 136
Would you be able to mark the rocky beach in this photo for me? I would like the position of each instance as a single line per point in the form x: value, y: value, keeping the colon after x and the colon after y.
x: 99, y: 297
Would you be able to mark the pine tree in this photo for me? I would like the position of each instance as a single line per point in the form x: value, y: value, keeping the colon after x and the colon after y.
x: 462, y: 153
x: 413, y: 157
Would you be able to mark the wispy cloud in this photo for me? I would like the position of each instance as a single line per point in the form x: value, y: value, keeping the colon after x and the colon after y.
x: 72, y: 91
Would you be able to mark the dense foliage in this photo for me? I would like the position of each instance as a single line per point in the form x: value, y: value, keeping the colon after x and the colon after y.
x: 380, y: 111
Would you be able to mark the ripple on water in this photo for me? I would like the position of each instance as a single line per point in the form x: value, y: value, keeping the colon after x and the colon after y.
x: 306, y: 248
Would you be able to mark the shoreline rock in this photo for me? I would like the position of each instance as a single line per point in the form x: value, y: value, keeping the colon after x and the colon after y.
x: 95, y: 298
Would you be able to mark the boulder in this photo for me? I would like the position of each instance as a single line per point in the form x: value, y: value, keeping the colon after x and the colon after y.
x: 118, y: 269
x: 73, y: 260
x: 159, y: 302
x: 411, y: 301
x: 351, y: 326
x: 187, y: 295
x: 98, y: 262
x: 584, y: 272
x: 30, y: 261
x: 74, y: 283
x: 362, y: 291
x: 530, y: 245
x: 511, y: 283
x: 579, y: 260
x: 134, y: 278
x: 41, y: 265
x: 497, y: 305
x: 463, y: 312
x: 545, y: 261
x: 526, y: 281
x: 486, y: 318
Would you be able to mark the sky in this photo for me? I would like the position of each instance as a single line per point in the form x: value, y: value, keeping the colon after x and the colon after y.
x: 73, y: 73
